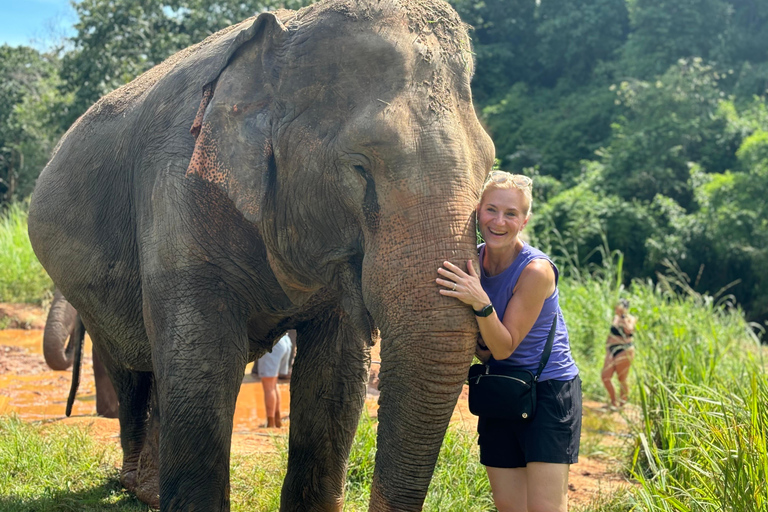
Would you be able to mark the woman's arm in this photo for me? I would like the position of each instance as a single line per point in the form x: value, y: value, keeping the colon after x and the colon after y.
x: 536, y: 283
x: 481, y: 350
x: 629, y: 324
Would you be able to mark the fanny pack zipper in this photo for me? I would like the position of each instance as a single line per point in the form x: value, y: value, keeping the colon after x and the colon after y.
x: 521, y: 381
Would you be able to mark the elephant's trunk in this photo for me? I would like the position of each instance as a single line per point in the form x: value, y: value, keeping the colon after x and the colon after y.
x: 427, y: 345
x: 58, y: 327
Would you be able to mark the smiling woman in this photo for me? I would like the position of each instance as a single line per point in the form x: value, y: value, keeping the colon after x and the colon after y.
x: 515, y: 299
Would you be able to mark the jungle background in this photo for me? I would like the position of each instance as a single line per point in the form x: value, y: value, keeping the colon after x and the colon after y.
x: 644, y: 122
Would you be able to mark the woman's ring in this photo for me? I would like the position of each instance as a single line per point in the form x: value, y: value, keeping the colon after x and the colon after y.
x: 454, y: 287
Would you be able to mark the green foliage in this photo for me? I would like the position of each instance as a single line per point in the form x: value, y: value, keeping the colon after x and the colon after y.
x: 699, y: 379
x: 663, y: 32
x: 505, y: 43
x: 551, y: 129
x: 117, y: 40
x: 58, y: 468
x: 663, y: 126
x: 654, y: 105
x: 663, y: 158
x: 574, y: 35
x: 22, y: 278
x: 61, y: 468
x: 703, y: 391
x: 29, y: 106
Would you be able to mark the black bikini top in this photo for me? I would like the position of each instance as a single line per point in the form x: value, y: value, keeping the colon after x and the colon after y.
x: 617, y: 332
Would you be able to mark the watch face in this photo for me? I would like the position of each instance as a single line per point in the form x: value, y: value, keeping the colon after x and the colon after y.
x: 486, y: 311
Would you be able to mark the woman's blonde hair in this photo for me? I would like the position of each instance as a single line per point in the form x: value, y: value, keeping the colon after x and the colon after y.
x: 505, y: 180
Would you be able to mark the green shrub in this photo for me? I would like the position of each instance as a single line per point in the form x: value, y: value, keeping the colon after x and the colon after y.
x: 22, y: 277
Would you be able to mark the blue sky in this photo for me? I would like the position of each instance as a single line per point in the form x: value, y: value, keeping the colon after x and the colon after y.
x: 37, y: 23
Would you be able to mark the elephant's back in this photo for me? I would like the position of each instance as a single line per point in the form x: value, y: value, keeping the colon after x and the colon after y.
x: 122, y: 99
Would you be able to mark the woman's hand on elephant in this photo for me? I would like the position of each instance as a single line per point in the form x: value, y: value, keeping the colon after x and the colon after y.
x: 464, y: 286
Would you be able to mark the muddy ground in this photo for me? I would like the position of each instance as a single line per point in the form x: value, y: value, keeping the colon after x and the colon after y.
x: 36, y: 393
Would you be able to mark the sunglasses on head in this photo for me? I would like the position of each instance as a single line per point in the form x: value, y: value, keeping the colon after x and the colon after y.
x: 520, y: 181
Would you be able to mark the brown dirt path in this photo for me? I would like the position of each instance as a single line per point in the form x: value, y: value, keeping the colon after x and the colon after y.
x: 36, y: 393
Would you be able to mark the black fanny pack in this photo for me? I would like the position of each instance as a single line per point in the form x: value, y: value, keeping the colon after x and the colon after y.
x: 499, y: 392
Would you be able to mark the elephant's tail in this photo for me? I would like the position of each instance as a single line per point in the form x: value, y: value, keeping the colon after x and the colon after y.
x: 78, y: 336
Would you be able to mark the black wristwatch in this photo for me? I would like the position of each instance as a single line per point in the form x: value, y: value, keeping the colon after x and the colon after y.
x: 486, y: 311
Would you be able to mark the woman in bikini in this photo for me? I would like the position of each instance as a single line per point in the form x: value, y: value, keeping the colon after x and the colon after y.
x: 619, y: 352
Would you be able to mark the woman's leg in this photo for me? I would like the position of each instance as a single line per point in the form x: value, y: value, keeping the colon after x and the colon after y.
x: 607, y: 375
x: 271, y: 399
x: 622, y: 364
x: 547, y: 487
x: 539, y: 487
x: 509, y: 487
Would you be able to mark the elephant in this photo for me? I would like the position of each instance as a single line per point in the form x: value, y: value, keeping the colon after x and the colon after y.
x: 63, y: 322
x: 305, y: 170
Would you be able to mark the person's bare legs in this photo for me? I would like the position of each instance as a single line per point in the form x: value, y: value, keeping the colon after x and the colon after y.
x: 508, y: 486
x: 607, y: 374
x: 622, y: 363
x: 271, y: 401
x: 539, y: 487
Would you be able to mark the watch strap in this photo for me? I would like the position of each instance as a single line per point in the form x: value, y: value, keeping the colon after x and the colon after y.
x: 486, y: 311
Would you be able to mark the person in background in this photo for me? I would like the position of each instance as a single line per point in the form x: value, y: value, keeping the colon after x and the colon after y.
x: 515, y: 298
x: 284, y: 373
x: 269, y: 366
x: 286, y: 370
x: 619, y: 353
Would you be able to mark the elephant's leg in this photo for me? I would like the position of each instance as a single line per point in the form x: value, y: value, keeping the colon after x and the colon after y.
x: 106, y: 398
x: 133, y: 393
x: 148, y: 473
x: 327, y: 396
x: 199, y: 357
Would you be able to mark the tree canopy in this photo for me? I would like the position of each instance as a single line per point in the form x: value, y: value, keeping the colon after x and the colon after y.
x: 644, y: 122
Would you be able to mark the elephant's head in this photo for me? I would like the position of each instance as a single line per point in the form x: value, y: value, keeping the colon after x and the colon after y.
x: 346, y: 133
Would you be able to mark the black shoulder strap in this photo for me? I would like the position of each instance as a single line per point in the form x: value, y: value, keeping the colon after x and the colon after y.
x: 547, y: 348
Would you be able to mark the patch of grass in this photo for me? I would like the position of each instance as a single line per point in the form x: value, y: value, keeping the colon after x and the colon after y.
x: 256, y: 480
x: 22, y: 277
x: 602, y: 437
x: 699, y: 378
x: 617, y: 501
x: 57, y: 467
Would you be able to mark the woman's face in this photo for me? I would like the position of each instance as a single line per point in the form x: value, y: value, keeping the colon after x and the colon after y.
x: 501, y: 216
x: 619, y: 310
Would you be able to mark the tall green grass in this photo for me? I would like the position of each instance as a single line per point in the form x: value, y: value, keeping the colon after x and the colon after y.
x: 22, y: 278
x: 55, y: 467
x: 62, y: 468
x: 703, y: 390
x: 699, y: 379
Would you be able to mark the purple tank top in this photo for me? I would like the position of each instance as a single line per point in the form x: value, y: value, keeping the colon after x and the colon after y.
x: 527, y: 355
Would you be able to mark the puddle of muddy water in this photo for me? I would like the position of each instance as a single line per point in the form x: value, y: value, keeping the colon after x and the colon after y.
x: 31, y: 340
x: 42, y: 395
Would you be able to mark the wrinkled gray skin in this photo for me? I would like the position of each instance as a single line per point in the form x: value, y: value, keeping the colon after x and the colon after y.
x: 59, y: 355
x: 334, y: 166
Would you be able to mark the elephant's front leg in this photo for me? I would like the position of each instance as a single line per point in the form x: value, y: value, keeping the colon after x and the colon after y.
x: 327, y: 396
x: 199, y: 357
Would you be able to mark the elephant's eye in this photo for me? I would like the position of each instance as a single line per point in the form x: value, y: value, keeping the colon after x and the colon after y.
x: 370, y: 202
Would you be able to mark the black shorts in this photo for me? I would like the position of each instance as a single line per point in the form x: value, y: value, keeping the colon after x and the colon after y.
x: 551, y: 436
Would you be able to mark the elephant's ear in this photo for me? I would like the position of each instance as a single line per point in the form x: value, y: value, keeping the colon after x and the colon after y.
x: 231, y: 128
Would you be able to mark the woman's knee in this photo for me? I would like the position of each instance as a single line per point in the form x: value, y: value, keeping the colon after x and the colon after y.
x: 508, y: 503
